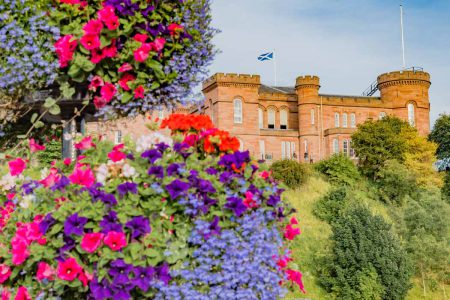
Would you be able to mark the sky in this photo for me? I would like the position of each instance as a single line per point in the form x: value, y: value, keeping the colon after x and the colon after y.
x: 347, y: 43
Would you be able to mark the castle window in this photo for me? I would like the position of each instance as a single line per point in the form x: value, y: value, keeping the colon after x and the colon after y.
x: 345, y: 147
x: 411, y: 117
x: 382, y: 115
x: 335, y: 146
x: 283, y: 150
x: 306, y: 154
x: 117, y: 137
x: 313, y: 114
x: 352, y: 151
x: 283, y: 119
x: 262, y: 149
x: 293, y: 150
x: 352, y: 120
x: 237, y: 111
x: 336, y: 120
x: 271, y: 118
x: 260, y: 118
x: 344, y: 120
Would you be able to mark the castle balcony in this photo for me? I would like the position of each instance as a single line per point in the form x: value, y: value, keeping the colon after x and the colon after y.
x: 338, y: 130
x: 279, y: 132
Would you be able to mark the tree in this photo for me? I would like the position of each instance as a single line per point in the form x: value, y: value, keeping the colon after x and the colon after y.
x: 441, y: 136
x: 395, y: 182
x: 339, y: 169
x: 368, y: 261
x: 291, y: 172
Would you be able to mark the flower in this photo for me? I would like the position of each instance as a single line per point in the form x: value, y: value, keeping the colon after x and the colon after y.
x: 158, y: 44
x: 110, y: 222
x: 100, y: 290
x: 5, y: 272
x: 125, y: 67
x: 290, y: 232
x: 127, y: 187
x: 177, y: 188
x: 175, y: 29
x: 96, y: 82
x: 85, y: 143
x: 74, y: 225
x: 141, y: 54
x: 236, y: 205
x: 143, y: 277
x: 119, y: 271
x: 108, y: 91
x: 99, y: 102
x: 34, y: 146
x: 115, y: 240
x: 156, y: 171
x: 140, y: 37
x: 163, y: 273
x: 93, y: 27
x: 85, y: 277
x: 6, y: 295
x: 91, y: 241
x: 45, y: 271
x: 69, y: 269
x: 249, y: 201
x: 22, y: 294
x: 296, y: 277
x: 116, y: 155
x: 65, y: 47
x: 82, y: 176
x: 108, y: 17
x: 90, y: 41
x: 128, y: 171
x: 17, y: 166
x: 139, y: 226
x: 123, y: 81
x: 46, y: 223
x: 139, y: 92
x: 152, y: 155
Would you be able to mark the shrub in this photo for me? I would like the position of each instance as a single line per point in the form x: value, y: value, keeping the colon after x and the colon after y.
x: 446, y: 187
x: 188, y: 218
x: 51, y: 153
x: 330, y: 206
x: 367, y: 259
x: 290, y: 172
x: 441, y: 136
x: 339, y: 169
x: 395, y: 182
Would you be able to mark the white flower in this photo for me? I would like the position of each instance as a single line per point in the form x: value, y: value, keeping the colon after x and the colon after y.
x: 102, y: 173
x: 26, y: 200
x: 145, y: 142
x: 128, y: 171
x: 44, y: 173
x: 8, y: 181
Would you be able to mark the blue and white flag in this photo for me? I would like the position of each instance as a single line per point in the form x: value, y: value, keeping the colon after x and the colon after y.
x: 266, y: 56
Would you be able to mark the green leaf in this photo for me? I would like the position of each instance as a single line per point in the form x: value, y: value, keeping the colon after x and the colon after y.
x: 49, y: 102
x: 54, y: 110
x: 126, y: 97
x: 39, y: 124
x: 34, y: 117
x: 74, y: 71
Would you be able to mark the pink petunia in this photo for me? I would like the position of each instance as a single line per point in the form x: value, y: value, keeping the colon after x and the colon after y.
x: 34, y: 146
x: 296, y: 277
x: 125, y: 67
x: 5, y: 272
x: 115, y: 240
x: 141, y: 54
x: 140, y: 37
x: 52, y: 178
x: 96, y: 82
x: 108, y: 91
x: 110, y: 51
x: 84, y: 177
x: 90, y: 41
x: 174, y: 29
x: 159, y: 44
x: 67, y: 161
x: 45, y: 271
x: 17, y: 166
x: 69, y: 269
x: 22, y: 294
x: 93, y: 27
x: 65, y: 48
x: 97, y: 55
x: 139, y: 92
x: 85, y: 277
x: 91, y: 241
x: 99, y: 102
x: 85, y: 143
x: 6, y: 295
x: 123, y: 82
x: 116, y: 155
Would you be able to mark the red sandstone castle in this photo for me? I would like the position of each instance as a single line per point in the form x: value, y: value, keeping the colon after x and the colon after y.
x: 298, y: 122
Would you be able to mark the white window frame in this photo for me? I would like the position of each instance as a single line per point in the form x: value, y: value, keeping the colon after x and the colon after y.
x: 262, y: 149
x: 345, y: 147
x: 270, y: 116
x: 117, y: 137
x: 237, y: 111
x: 284, y: 118
x: 353, y: 120
x: 344, y: 120
x: 335, y: 146
x: 411, y: 114
x: 292, y: 148
x: 260, y: 118
x: 382, y: 115
x: 283, y: 150
x: 313, y: 116
x: 336, y: 120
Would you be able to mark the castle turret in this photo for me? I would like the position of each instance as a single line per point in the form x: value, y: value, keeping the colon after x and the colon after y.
x: 407, y: 93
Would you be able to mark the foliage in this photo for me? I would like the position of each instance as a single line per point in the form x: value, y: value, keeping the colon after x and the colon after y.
x: 290, y: 172
x: 188, y: 217
x: 368, y: 261
x: 441, y: 136
x: 446, y: 187
x: 395, y: 182
x: 339, y: 169
x: 52, y: 152
x: 331, y: 205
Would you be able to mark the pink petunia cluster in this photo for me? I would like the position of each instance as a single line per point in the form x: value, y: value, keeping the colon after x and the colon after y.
x: 17, y: 166
x: 26, y: 234
x: 116, y: 154
x: 142, y: 53
x: 69, y: 270
x: 82, y: 175
x: 290, y: 232
x: 65, y: 48
x: 5, y: 214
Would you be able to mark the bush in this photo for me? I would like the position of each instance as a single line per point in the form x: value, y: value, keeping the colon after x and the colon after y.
x: 446, y: 187
x: 339, y: 169
x: 367, y: 261
x: 395, y: 182
x: 290, y: 172
x: 52, y: 152
x: 330, y: 206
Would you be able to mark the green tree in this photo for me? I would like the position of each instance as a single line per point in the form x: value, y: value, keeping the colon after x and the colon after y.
x: 368, y: 261
x: 441, y: 136
x: 395, y: 182
x: 446, y: 187
x: 291, y: 172
x: 330, y: 206
x: 339, y: 169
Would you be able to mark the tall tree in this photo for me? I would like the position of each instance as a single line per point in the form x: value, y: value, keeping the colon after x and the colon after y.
x: 441, y: 136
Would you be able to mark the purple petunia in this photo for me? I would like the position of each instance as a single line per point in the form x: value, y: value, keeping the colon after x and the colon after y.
x: 173, y: 169
x: 74, y: 225
x: 139, y: 226
x: 119, y: 271
x: 204, y: 186
x: 127, y: 187
x: 46, y: 223
x: 273, y: 200
x: 110, y: 222
x: 61, y: 184
x: 163, y: 273
x: 236, y: 159
x: 162, y: 147
x: 100, y: 290
x: 156, y: 171
x: 213, y: 228
x: 152, y: 155
x: 177, y: 188
x: 143, y: 277
x: 236, y: 205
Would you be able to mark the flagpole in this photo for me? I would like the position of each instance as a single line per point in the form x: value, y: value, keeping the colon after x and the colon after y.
x: 403, y: 39
x: 275, y: 66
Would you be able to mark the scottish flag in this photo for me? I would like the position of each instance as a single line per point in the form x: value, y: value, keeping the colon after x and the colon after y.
x: 266, y: 56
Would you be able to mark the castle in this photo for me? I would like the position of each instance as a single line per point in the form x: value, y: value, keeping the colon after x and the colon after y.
x: 300, y: 123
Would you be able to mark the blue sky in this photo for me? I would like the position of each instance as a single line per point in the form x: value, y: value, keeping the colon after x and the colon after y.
x: 348, y: 43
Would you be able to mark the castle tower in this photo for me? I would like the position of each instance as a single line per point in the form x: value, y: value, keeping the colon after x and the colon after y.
x: 307, y: 90
x: 406, y: 92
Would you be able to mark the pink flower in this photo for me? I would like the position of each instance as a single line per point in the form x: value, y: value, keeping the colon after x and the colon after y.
x: 67, y: 161
x: 97, y: 55
x: 69, y: 269
x: 93, y: 27
x: 85, y: 143
x: 5, y: 272
x: 283, y: 262
x: 290, y: 232
x: 99, y: 102
x: 175, y: 29
x: 108, y: 17
x: 110, y: 51
x: 85, y: 277
x: 139, y: 92
x: 140, y: 37
x: 125, y: 67
x: 34, y: 146
x: 141, y: 54
x: 91, y: 241
x: 108, y: 91
x: 123, y: 82
x: 90, y: 41
x: 249, y: 201
x: 70, y: 1
x: 17, y: 166
x: 112, y: 23
x: 19, y: 250
x: 159, y: 44
x: 264, y: 174
x: 10, y: 196
x: 22, y: 294
x: 296, y: 277
x: 96, y: 82
x: 51, y: 179
x: 82, y: 177
x: 6, y: 295
x: 191, y: 139
x: 116, y: 155
x: 64, y: 48
x: 45, y: 271
x: 293, y: 221
x: 115, y: 240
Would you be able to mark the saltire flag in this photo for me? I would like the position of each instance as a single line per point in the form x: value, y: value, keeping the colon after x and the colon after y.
x: 266, y: 56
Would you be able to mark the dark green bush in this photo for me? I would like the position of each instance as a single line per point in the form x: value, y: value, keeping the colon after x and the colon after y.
x: 395, y: 182
x: 52, y: 152
x: 330, y: 206
x: 291, y: 172
x: 368, y: 261
x: 339, y: 169
x: 446, y: 187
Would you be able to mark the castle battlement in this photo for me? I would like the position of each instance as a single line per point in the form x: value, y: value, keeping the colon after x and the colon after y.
x: 307, y: 81
x: 408, y: 76
x: 232, y: 78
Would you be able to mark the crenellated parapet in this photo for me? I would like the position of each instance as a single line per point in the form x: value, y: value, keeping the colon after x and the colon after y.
x: 231, y: 79
x: 404, y: 78
x: 307, y: 81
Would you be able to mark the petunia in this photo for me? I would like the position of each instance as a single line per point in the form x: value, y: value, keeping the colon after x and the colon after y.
x: 123, y: 81
x: 125, y: 67
x: 34, y: 146
x: 93, y: 27
x: 6, y: 294
x: 143, y: 277
x: 85, y: 277
x: 163, y: 273
x: 141, y: 54
x: 45, y: 271
x: 139, y: 226
x: 16, y: 166
x: 99, y: 102
x: 69, y: 269
x: 85, y: 143
x: 22, y: 294
x: 96, y: 82
x: 127, y: 187
x: 74, y: 225
x: 5, y: 272
x: 115, y: 240
x: 156, y: 171
x: 108, y: 91
x: 110, y: 222
x: 177, y: 188
x: 82, y: 176
x: 116, y: 155
x: 119, y: 271
x: 100, y: 290
x: 46, y: 223
x: 290, y: 232
x: 140, y: 37
x: 152, y: 155
x: 296, y: 277
x: 175, y: 29
x: 139, y: 92
x: 236, y: 205
x: 91, y: 241
x: 90, y: 41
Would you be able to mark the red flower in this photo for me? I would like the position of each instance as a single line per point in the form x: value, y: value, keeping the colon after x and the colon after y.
x: 85, y: 277
x: 64, y: 48
x: 108, y: 91
x: 69, y: 269
x: 99, y: 102
x: 249, y: 201
x: 141, y: 54
x: 139, y: 92
x: 106, y: 13
x: 125, y: 67
x: 174, y: 29
x: 123, y: 82
x: 140, y: 37
x: 93, y: 27
x: 158, y: 44
x: 6, y: 295
x: 17, y: 166
x: 91, y: 241
x: 67, y: 161
x: 5, y: 272
x: 115, y: 240
x: 290, y: 232
x: 45, y: 271
x: 83, y: 177
x: 90, y: 41
x: 110, y: 51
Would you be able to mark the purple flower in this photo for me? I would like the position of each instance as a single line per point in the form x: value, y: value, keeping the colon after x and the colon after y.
x: 127, y: 187
x: 69, y: 245
x: 236, y: 205
x: 61, y: 184
x: 207, y: 203
x: 110, y: 222
x: 121, y: 291
x: 177, y: 188
x: 107, y: 198
x: 273, y: 200
x: 147, y: 10
x: 162, y: 147
x: 212, y: 171
x: 163, y: 273
x: 29, y: 187
x: 139, y: 226
x: 214, y: 228
x: 46, y: 223
x: 226, y: 177
x: 119, y: 271
x: 237, y: 159
x: 173, y: 169
x: 204, y: 186
x: 130, y: 156
x: 100, y: 290
x: 74, y: 225
x: 143, y: 277
x: 156, y: 171
x: 152, y: 155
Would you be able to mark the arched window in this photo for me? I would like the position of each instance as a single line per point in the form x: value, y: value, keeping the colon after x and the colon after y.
x: 336, y: 120
x: 345, y: 147
x: 411, y: 117
x: 260, y: 118
x: 313, y: 115
x: 335, y: 146
x: 237, y: 111
x: 382, y: 115
x: 344, y: 120
x: 283, y: 119
x: 271, y: 118
x: 352, y: 120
